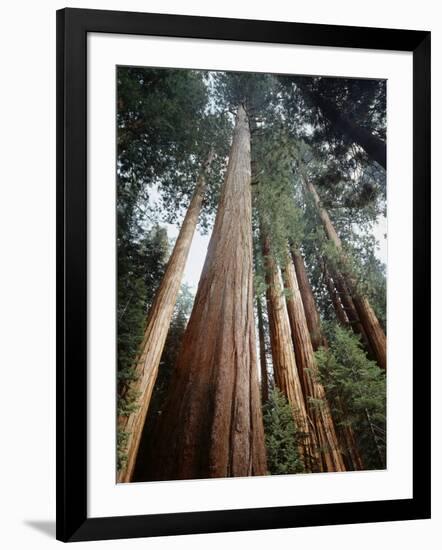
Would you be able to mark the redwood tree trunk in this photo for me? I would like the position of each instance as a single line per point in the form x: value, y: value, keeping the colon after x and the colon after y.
x: 334, y: 296
x: 262, y: 353
x: 375, y: 332
x: 318, y: 409
x: 157, y: 327
x: 348, y: 304
x: 365, y: 314
x: 308, y: 301
x: 347, y: 441
x: 285, y: 370
x: 346, y: 437
x: 212, y: 422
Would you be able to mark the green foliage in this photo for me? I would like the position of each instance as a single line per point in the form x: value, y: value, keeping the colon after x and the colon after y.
x: 370, y: 275
x: 172, y: 346
x: 166, y: 368
x: 276, y: 209
x: 156, y: 119
x: 281, y: 436
x: 165, y: 129
x: 362, y: 101
x: 122, y: 439
x: 355, y: 226
x: 356, y: 390
x: 140, y: 268
x: 254, y: 90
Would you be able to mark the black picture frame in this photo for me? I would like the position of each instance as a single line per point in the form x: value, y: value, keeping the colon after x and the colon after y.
x: 73, y: 25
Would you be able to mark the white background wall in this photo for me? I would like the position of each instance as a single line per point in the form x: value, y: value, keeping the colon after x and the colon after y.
x: 27, y: 293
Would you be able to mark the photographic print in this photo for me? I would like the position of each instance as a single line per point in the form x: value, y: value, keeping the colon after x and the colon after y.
x: 251, y: 274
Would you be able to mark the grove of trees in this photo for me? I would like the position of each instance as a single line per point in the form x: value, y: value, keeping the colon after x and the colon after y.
x: 277, y: 364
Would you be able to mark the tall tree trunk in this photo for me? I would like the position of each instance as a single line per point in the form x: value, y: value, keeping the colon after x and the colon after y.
x: 323, y: 214
x: 157, y: 327
x: 345, y: 433
x: 285, y: 370
x: 314, y: 394
x: 338, y: 306
x: 308, y: 300
x: 262, y: 353
x: 375, y: 148
x: 366, y: 315
x: 374, y: 330
x: 212, y: 422
x: 351, y: 312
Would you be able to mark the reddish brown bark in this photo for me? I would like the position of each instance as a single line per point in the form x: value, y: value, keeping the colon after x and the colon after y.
x: 374, y: 330
x: 323, y: 214
x: 262, y: 353
x: 365, y: 313
x: 335, y: 298
x: 212, y: 422
x: 348, y: 305
x: 314, y: 394
x: 157, y: 327
x: 308, y: 301
x: 346, y: 437
x: 285, y: 370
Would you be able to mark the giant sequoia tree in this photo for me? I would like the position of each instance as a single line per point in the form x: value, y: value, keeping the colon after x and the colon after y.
x: 157, y: 326
x: 212, y: 423
x: 151, y: 145
x: 293, y: 222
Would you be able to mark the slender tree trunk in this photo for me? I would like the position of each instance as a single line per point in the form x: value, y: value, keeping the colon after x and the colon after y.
x: 367, y: 317
x: 338, y: 306
x: 262, y: 353
x: 345, y: 433
x: 212, y: 422
x: 318, y: 409
x: 157, y: 327
x: 350, y: 310
x: 308, y: 300
x: 323, y: 214
x: 375, y: 332
x: 374, y: 147
x: 285, y: 370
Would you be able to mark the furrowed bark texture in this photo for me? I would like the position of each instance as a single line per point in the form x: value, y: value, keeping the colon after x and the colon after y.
x: 375, y: 332
x: 349, y: 307
x: 335, y: 298
x: 157, y: 327
x: 314, y: 394
x: 346, y: 437
x: 212, y: 422
x: 262, y: 353
x: 365, y: 314
x: 308, y: 301
x: 285, y: 370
